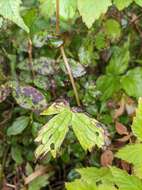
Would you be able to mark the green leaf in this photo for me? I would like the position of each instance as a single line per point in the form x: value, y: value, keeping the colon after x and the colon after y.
x: 80, y: 185
x: 137, y: 121
x: 92, y: 10
x: 53, y: 133
x: 112, y: 29
x: 39, y: 182
x: 28, y: 97
x: 121, y: 4
x: 77, y: 69
x: 139, y: 2
x: 86, y: 51
x: 90, y: 177
x: 100, y: 41
x: 68, y: 9
x: 42, y: 66
x: 92, y: 174
x: 16, y: 153
x: 18, y: 126
x: 108, y: 85
x: 119, y: 60
x: 125, y: 181
x: 56, y: 108
x: 87, y: 131
x: 132, y: 82
x: 132, y: 154
x: 10, y: 9
x: 47, y: 8
x: 106, y: 187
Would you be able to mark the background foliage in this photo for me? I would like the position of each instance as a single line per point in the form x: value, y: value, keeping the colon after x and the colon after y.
x: 46, y: 140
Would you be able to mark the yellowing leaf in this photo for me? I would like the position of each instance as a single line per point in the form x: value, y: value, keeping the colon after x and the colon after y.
x: 10, y: 9
x: 86, y: 131
x: 91, y: 10
x: 53, y: 133
x: 55, y: 108
x: 137, y: 121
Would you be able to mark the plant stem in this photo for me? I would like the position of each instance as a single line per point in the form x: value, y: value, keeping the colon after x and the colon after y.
x: 70, y: 75
x: 30, y: 50
x: 64, y: 55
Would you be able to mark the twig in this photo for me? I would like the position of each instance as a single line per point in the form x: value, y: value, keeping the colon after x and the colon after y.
x: 30, y: 51
x: 11, y: 186
x: 57, y: 17
x: 70, y: 75
x: 64, y: 55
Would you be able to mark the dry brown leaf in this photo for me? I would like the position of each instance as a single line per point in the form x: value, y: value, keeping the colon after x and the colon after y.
x: 121, y: 129
x: 107, y: 158
x: 125, y: 138
x: 39, y: 172
x: 125, y: 166
x: 130, y: 106
x: 120, y: 110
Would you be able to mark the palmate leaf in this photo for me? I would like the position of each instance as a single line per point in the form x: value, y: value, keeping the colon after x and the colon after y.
x: 86, y: 131
x: 92, y: 10
x: 10, y: 9
x: 137, y: 121
x: 132, y: 154
x: 56, y: 108
x: 53, y: 133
